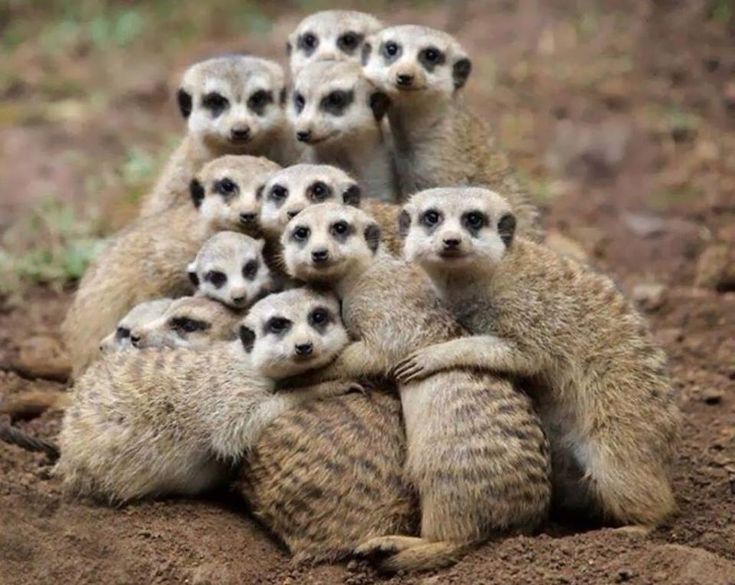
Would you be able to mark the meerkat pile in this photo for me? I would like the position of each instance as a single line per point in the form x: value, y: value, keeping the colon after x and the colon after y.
x: 446, y: 374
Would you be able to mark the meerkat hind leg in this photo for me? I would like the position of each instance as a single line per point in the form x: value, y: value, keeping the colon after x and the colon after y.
x: 388, y: 545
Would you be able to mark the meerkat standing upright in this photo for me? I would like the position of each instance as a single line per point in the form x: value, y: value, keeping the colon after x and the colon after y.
x: 330, y: 35
x: 603, y: 393
x: 438, y: 142
x: 337, y: 112
x: 476, y: 451
x: 149, y: 259
x: 232, y: 105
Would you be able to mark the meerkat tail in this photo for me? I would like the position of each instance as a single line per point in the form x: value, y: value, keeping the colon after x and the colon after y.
x: 425, y: 557
x: 18, y: 438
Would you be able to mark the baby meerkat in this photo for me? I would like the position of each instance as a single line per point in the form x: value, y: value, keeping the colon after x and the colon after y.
x: 148, y: 260
x: 438, y: 142
x: 232, y: 105
x: 603, y: 392
x: 337, y: 112
x: 140, y: 314
x: 330, y: 35
x: 168, y: 421
x: 230, y: 268
x: 476, y: 452
x: 293, y: 189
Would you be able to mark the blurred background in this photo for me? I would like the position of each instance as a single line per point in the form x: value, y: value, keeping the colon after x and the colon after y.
x: 618, y: 114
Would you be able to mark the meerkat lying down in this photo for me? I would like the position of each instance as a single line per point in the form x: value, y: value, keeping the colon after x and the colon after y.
x: 232, y: 105
x: 139, y: 315
x: 164, y: 421
x: 476, y: 451
x: 602, y: 390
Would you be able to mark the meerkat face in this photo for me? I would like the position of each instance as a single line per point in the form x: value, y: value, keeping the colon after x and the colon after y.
x: 325, y: 242
x: 330, y: 35
x: 233, y: 103
x: 294, y: 331
x: 290, y: 191
x: 333, y: 101
x: 230, y: 268
x: 190, y: 322
x: 119, y: 340
x: 227, y: 191
x: 408, y: 61
x: 456, y: 228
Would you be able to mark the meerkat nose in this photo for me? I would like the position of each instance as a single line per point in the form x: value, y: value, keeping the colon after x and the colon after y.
x: 240, y: 133
x: 293, y: 213
x: 304, y: 349
x: 303, y: 135
x: 247, y: 218
x: 135, y: 340
x: 240, y: 299
x: 404, y: 79
x: 451, y: 243
x: 320, y: 255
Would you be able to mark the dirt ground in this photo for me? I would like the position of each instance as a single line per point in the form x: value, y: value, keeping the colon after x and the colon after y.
x: 621, y: 116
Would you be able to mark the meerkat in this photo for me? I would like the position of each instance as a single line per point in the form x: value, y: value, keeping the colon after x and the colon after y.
x: 232, y: 105
x: 295, y: 188
x: 437, y: 140
x: 149, y: 259
x: 230, y: 268
x: 330, y: 35
x: 476, y: 452
x: 337, y: 113
x: 140, y: 314
x: 165, y: 421
x: 600, y: 382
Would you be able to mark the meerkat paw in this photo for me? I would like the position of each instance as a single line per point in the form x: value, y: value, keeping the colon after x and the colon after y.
x: 639, y: 530
x: 387, y: 545
x: 418, y: 365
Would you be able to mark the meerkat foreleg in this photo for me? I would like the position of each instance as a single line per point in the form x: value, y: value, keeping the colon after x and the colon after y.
x: 357, y: 361
x: 477, y: 351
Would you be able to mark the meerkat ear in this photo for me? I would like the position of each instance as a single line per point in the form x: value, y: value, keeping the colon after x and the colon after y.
x: 259, y: 192
x: 197, y: 192
x: 461, y: 71
x: 379, y: 104
x: 404, y: 223
x: 352, y: 195
x: 191, y: 272
x: 183, y: 97
x: 247, y: 337
x: 507, y: 228
x: 372, y: 236
x: 365, y: 54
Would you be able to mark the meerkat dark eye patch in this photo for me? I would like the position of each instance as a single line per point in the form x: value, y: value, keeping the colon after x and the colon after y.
x: 299, y: 102
x: 300, y: 233
x: 216, y: 278
x: 196, y: 191
x: 227, y: 188
x: 367, y: 48
x: 430, y: 219
x: 352, y: 195
x: 341, y: 230
x: 122, y: 333
x: 404, y: 223
x: 372, y: 236
x: 319, y: 318
x: 336, y: 102
x: 349, y: 42
x: 507, y: 228
x: 278, y: 194
x: 247, y: 338
x: 250, y: 270
x: 260, y: 100
x: 183, y: 98
x: 319, y: 191
x: 216, y: 103
x: 379, y: 104
x: 193, y: 278
x: 431, y: 57
x: 390, y: 51
x: 308, y: 42
x: 188, y: 325
x: 461, y: 71
x: 277, y: 325
x: 474, y: 221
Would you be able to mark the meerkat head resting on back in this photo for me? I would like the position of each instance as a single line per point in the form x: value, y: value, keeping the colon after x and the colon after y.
x: 230, y: 268
x: 189, y: 322
x: 412, y: 62
x: 449, y: 231
x: 330, y: 35
x: 327, y: 242
x: 293, y: 189
x: 226, y: 191
x: 232, y: 104
x: 291, y: 332
x: 140, y: 314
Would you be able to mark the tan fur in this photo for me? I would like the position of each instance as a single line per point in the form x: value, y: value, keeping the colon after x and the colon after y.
x: 438, y: 141
x: 237, y: 78
x: 600, y: 381
x: 148, y: 259
x: 166, y: 421
x: 139, y: 315
x: 476, y: 452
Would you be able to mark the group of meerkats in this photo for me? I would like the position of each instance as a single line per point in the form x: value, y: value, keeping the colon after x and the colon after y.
x: 378, y: 351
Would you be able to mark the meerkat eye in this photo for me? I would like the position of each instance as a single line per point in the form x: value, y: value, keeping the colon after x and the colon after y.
x: 308, y: 42
x: 336, y: 101
x: 187, y: 325
x: 122, y: 333
x: 301, y: 234
x: 431, y: 56
x: 391, y: 49
x: 299, y: 102
x: 320, y: 191
x: 319, y: 317
x: 260, y: 99
x: 474, y: 220
x: 226, y: 187
x: 340, y: 228
x: 217, y: 278
x: 277, y: 325
x: 431, y: 218
x: 348, y: 42
x: 250, y: 269
x: 278, y: 193
x: 215, y: 102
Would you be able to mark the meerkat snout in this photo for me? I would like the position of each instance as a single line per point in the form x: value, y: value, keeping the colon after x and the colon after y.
x: 121, y: 339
